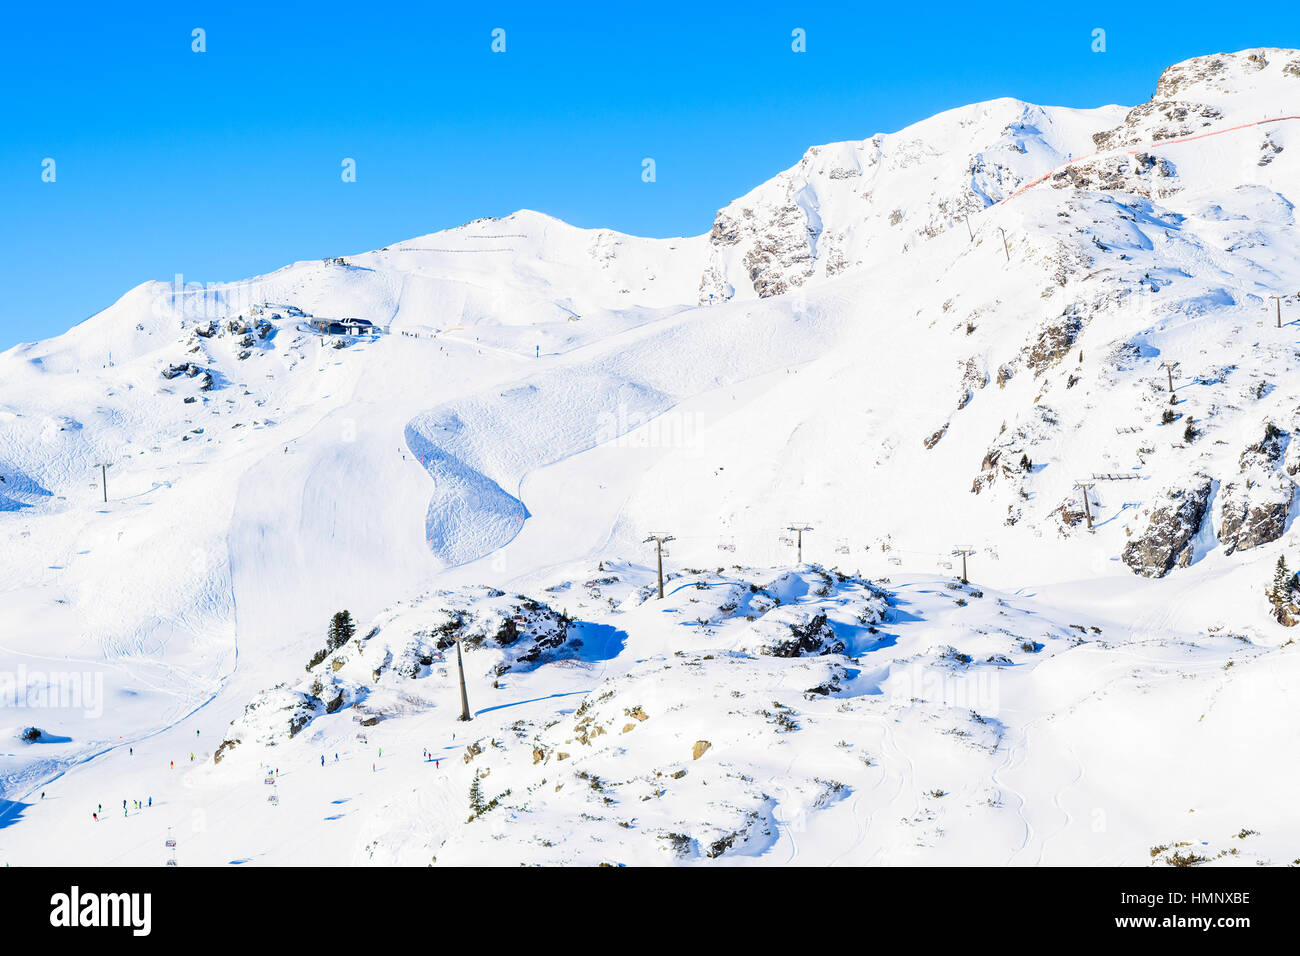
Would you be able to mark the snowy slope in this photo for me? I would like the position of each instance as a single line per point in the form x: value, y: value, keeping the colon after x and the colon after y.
x: 914, y: 343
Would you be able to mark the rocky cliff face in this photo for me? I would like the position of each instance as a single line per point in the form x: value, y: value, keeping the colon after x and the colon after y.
x: 1171, y: 525
x: 1257, y: 502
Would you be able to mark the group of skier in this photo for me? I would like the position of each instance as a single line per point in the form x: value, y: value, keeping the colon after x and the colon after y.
x: 98, y: 812
x: 135, y: 804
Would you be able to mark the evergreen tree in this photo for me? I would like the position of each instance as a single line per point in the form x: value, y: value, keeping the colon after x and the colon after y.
x: 341, y: 630
x: 1283, y: 582
x: 1189, y: 433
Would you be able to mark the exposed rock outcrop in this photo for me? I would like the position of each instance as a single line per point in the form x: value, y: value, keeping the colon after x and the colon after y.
x: 1054, y: 340
x: 1166, y: 542
x: 1256, y: 505
x: 813, y: 636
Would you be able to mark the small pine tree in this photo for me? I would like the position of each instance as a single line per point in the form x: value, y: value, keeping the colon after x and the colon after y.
x: 1189, y: 433
x: 1283, y: 583
x: 341, y: 630
x: 1025, y: 464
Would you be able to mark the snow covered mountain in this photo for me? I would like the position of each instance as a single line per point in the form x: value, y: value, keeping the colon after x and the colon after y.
x: 930, y: 340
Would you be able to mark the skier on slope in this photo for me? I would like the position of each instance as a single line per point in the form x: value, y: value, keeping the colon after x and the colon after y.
x: 322, y: 760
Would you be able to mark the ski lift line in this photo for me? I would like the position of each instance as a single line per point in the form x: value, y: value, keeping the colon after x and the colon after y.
x: 763, y: 537
x: 1132, y: 151
x: 430, y: 249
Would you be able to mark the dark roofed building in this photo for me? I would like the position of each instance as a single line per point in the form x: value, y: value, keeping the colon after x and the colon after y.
x: 343, y: 326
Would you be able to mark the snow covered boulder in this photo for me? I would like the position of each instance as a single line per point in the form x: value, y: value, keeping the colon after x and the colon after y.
x: 1166, y: 542
x: 795, y: 632
x: 272, y: 717
x: 812, y: 611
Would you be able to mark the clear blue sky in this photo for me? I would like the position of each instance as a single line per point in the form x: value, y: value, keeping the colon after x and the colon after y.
x: 226, y: 164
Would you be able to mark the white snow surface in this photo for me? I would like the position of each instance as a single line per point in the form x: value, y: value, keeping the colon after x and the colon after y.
x: 853, y: 347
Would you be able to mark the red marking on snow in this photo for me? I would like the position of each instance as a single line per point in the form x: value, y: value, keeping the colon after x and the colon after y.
x: 1135, y: 150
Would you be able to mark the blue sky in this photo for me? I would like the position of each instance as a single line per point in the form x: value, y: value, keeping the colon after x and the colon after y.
x: 226, y: 164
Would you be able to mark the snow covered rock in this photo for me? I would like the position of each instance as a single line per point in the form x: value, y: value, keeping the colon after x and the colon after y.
x: 1172, y: 524
x: 1256, y: 505
x: 271, y: 718
x: 793, y: 632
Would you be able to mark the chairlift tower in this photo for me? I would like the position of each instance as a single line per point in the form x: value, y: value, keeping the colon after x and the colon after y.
x: 464, y: 695
x: 1169, y: 371
x: 799, y: 528
x: 1085, y: 487
x: 660, y: 540
x: 963, y: 552
x: 103, y: 474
